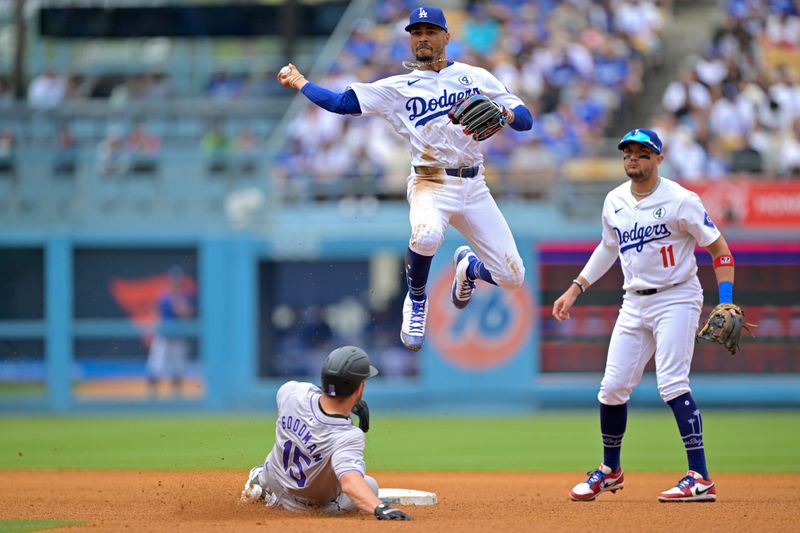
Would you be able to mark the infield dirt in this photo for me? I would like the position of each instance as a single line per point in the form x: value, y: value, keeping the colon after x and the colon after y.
x: 200, y: 501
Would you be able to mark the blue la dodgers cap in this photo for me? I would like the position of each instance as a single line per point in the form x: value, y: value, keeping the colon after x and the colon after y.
x: 427, y: 15
x: 642, y: 136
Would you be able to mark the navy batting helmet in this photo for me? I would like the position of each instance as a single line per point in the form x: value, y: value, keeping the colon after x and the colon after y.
x: 344, y: 369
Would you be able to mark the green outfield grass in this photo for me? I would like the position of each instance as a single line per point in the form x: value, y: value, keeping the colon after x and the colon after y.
x: 735, y: 441
x: 23, y: 526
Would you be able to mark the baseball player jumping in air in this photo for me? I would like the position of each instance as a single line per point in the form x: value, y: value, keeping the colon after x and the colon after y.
x: 317, y: 462
x: 446, y: 184
x: 652, y: 224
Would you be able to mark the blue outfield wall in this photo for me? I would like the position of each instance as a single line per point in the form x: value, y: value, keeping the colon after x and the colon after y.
x: 485, y: 358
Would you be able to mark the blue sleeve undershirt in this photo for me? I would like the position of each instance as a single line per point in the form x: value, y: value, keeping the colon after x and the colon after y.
x: 726, y: 292
x: 523, y: 121
x: 345, y: 103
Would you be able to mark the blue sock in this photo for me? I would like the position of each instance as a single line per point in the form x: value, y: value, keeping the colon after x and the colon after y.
x: 613, y: 420
x: 477, y: 270
x: 690, y: 424
x: 417, y: 269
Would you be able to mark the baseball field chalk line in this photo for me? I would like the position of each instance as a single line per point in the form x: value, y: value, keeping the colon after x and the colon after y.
x: 407, y: 497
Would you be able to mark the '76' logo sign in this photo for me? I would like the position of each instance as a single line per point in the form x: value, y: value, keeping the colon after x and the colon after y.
x: 487, y: 333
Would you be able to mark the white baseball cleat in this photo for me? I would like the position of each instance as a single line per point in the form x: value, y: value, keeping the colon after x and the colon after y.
x: 252, y: 491
x: 601, y: 480
x: 463, y: 287
x: 691, y: 488
x: 415, y: 314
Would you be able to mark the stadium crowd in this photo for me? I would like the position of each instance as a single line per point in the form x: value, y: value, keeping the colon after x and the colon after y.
x: 735, y: 108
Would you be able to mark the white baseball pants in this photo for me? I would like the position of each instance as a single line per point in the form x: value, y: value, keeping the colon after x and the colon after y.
x: 440, y: 200
x: 664, y: 323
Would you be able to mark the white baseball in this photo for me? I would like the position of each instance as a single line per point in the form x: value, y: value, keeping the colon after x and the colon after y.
x: 285, y: 71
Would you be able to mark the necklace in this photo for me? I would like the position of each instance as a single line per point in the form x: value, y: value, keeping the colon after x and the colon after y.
x: 414, y: 65
x: 648, y: 193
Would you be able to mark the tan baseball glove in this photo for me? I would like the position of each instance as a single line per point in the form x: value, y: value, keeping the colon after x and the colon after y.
x: 724, y: 326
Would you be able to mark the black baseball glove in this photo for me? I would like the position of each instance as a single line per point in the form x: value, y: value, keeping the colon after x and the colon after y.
x: 724, y: 326
x: 480, y: 116
x: 361, y: 410
x: 384, y: 512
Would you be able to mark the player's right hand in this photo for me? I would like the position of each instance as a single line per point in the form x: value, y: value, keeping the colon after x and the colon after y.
x: 288, y: 74
x: 384, y: 512
x: 562, y: 306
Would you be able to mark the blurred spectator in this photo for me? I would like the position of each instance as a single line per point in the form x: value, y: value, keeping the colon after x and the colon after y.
x: 245, y: 151
x: 711, y: 69
x: 216, y: 146
x: 685, y: 94
x: 641, y: 22
x: 717, y: 166
x: 6, y: 93
x: 481, y: 32
x: 111, y: 157
x: 746, y: 160
x: 224, y: 86
x: 169, y: 349
x: 686, y: 157
x: 785, y: 92
x: 143, y: 149
x: 289, y: 171
x: 612, y: 72
x: 156, y: 86
x: 361, y: 45
x: 589, y: 108
x: 77, y: 87
x: 531, y: 166
x: 789, y: 151
x: 46, y: 91
x: 727, y: 121
x: 65, y: 161
x: 7, y: 153
x: 783, y: 29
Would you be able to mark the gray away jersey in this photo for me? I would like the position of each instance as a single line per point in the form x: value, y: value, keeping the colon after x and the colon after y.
x: 312, y: 450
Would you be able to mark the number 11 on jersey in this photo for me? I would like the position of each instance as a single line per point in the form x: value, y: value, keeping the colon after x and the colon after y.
x: 667, y: 256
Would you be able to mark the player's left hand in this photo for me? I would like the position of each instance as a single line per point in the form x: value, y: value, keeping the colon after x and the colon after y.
x: 361, y: 410
x: 724, y: 326
x: 480, y: 116
x: 384, y: 512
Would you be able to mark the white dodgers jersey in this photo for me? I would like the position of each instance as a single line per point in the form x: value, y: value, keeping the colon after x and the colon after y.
x: 312, y: 449
x: 656, y: 236
x: 416, y: 105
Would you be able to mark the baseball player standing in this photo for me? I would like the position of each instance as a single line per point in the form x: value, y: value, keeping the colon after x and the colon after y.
x: 317, y: 462
x: 169, y: 350
x: 652, y: 224
x: 446, y: 184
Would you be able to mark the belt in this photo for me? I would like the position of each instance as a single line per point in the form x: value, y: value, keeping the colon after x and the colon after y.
x: 648, y: 292
x: 461, y: 172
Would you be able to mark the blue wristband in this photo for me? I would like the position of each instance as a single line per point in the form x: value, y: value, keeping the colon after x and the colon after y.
x: 726, y: 292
